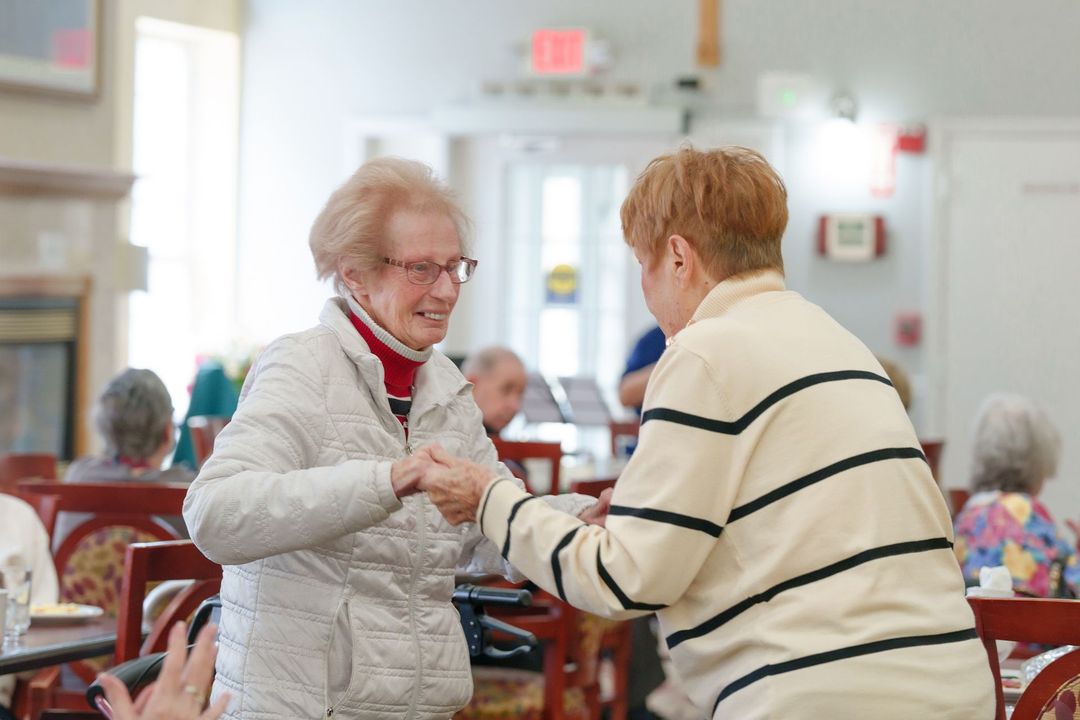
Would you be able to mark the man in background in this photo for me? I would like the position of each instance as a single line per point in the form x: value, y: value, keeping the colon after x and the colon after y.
x: 498, y: 378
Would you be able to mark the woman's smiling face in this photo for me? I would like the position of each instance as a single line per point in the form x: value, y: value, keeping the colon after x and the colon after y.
x: 417, y: 315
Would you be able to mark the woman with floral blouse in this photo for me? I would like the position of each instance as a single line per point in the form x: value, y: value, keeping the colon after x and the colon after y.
x: 1016, y: 449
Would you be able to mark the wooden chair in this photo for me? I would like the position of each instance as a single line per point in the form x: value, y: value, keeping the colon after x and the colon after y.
x: 958, y: 497
x: 617, y: 638
x: 15, y: 467
x: 149, y: 562
x: 520, y: 451
x: 1039, y: 620
x: 568, y: 688
x: 204, y: 429
x: 623, y: 434
x: 932, y: 450
x: 90, y: 560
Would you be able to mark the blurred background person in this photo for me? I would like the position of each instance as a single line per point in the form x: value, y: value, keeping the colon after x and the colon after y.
x: 24, y: 545
x: 1016, y: 450
x: 134, y: 416
x: 639, y: 366
x: 498, y: 377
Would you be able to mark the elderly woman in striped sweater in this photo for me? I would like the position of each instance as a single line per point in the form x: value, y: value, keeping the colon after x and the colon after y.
x: 778, y: 514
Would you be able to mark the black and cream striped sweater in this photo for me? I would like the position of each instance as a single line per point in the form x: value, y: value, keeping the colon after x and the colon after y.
x: 780, y: 518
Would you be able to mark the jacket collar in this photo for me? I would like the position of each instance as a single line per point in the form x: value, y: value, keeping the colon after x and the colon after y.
x: 733, y: 290
x: 437, y: 381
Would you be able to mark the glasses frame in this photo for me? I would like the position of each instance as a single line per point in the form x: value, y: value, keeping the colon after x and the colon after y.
x: 450, y: 268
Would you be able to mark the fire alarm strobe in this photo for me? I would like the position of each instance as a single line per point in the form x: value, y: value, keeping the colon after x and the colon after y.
x: 851, y: 237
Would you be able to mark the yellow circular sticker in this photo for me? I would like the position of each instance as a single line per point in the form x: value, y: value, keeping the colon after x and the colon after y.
x: 562, y: 283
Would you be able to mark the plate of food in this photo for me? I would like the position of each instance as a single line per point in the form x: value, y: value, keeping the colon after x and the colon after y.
x: 63, y: 613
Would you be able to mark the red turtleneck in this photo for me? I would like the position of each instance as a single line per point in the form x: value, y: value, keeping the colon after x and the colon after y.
x: 399, y: 372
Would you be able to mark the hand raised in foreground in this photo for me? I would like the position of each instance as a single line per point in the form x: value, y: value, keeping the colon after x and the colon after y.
x: 455, y: 485
x: 181, y: 688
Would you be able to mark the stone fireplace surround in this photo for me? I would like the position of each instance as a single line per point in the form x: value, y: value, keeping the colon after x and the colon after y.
x: 60, y: 236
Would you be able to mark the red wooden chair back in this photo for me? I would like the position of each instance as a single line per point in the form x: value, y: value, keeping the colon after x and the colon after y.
x: 592, y: 488
x: 520, y: 451
x: 623, y: 432
x: 958, y: 498
x: 1038, y: 620
x: 932, y: 450
x: 204, y: 429
x: 24, y: 466
x: 150, y: 562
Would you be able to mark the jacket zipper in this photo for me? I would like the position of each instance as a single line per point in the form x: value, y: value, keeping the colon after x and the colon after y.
x: 421, y: 540
x: 343, y: 603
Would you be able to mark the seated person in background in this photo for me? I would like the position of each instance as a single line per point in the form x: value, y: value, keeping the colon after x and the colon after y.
x: 1016, y: 449
x: 498, y: 378
x: 643, y: 358
x: 23, y: 541
x: 135, y: 418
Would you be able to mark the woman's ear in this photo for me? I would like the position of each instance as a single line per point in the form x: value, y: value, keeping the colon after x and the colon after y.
x: 352, y: 277
x: 683, y: 258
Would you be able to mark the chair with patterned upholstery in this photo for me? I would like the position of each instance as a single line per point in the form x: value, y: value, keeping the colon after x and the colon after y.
x: 567, y: 689
x: 90, y: 560
x: 1054, y: 692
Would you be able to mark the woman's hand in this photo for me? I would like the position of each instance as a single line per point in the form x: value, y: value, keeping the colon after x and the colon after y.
x: 405, y: 474
x: 455, y: 485
x: 597, y: 514
x: 181, y: 688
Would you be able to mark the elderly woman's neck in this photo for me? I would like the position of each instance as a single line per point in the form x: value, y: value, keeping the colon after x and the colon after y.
x: 384, y: 335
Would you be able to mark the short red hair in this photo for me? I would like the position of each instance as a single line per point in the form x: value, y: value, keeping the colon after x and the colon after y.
x: 728, y: 203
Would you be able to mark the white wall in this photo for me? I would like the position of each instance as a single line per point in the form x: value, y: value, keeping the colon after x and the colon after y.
x: 312, y: 68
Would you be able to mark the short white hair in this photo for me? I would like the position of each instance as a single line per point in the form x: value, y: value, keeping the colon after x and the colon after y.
x: 352, y: 225
x: 1015, y: 446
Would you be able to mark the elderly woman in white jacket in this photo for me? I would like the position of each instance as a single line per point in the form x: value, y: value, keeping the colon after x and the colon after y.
x: 338, y: 573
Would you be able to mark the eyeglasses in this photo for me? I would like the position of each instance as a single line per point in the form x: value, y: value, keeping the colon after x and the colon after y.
x: 426, y: 272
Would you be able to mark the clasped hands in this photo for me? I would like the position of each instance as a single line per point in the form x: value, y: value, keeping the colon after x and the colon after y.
x: 455, y: 485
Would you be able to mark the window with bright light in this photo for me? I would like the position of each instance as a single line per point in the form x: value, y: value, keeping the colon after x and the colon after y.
x: 186, y: 113
x: 567, y: 270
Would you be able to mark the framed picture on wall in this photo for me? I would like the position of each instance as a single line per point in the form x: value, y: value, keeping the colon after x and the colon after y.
x: 50, y: 46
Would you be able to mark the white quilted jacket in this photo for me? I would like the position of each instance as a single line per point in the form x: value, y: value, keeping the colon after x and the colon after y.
x: 336, y: 595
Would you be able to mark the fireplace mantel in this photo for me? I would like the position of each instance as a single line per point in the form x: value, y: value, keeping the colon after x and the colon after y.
x: 23, y: 177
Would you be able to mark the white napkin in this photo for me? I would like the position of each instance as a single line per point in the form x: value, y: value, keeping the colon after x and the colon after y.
x: 995, y: 582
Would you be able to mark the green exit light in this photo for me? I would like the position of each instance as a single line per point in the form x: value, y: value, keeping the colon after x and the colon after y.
x: 788, y: 98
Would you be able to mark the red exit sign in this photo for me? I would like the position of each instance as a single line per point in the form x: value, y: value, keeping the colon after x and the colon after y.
x: 559, y: 52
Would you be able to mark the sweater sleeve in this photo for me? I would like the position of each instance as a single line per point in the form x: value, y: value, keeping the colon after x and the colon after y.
x: 666, y: 514
x: 479, y: 554
x: 259, y: 495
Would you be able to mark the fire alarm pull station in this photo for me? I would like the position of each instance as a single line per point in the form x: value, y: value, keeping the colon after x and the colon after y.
x: 851, y: 237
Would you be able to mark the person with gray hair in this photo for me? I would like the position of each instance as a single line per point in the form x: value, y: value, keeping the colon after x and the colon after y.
x: 338, y: 573
x: 499, y: 379
x: 134, y: 416
x: 1016, y: 449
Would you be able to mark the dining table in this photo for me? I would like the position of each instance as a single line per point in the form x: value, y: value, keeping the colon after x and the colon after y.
x: 46, y: 645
